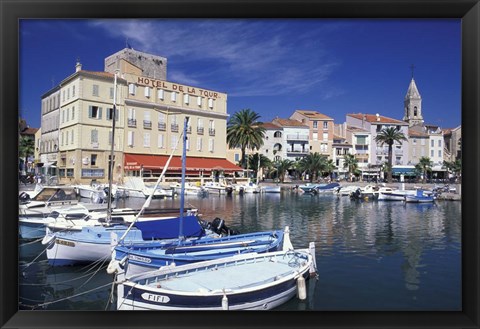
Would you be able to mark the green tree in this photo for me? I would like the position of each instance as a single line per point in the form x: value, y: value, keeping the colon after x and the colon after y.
x: 351, y: 163
x: 389, y: 136
x: 26, y: 147
x: 253, y: 162
x: 244, y: 131
x: 313, y: 164
x: 282, y: 167
x: 329, y: 168
x: 424, y: 165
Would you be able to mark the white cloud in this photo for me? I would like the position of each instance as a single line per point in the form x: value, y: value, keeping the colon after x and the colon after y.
x: 242, y: 57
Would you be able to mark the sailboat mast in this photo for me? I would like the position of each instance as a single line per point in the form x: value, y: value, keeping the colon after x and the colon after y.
x: 182, y: 190
x: 111, y: 167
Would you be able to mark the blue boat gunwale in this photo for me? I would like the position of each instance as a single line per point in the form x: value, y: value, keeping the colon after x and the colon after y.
x: 302, y: 270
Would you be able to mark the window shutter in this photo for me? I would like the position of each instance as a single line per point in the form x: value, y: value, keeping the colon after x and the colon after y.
x: 199, y: 101
x: 161, y: 94
x: 210, y: 103
x: 186, y: 98
x: 90, y: 111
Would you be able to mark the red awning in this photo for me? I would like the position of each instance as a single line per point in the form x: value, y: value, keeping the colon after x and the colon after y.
x: 135, y: 161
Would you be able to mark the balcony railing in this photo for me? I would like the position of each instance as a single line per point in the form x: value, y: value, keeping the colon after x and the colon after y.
x: 147, y: 124
x: 200, y: 130
x: 132, y: 123
x: 297, y: 152
x: 297, y: 137
x: 211, y: 132
x: 162, y: 126
x: 174, y: 127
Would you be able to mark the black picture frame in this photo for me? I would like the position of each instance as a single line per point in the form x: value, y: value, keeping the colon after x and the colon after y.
x: 13, y: 10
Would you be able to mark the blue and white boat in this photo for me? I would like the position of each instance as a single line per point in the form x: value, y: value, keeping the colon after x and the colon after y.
x: 140, y: 257
x: 242, y: 282
x: 325, y: 188
x: 91, y: 244
x: 420, y: 197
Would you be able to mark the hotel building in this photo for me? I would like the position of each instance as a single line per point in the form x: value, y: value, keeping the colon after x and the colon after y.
x: 149, y: 120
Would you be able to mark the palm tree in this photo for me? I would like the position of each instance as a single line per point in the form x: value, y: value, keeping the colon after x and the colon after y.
x: 245, y: 132
x: 283, y: 166
x: 351, y: 163
x: 26, y: 147
x: 253, y: 162
x: 313, y: 164
x: 425, y: 165
x: 329, y: 168
x: 389, y: 136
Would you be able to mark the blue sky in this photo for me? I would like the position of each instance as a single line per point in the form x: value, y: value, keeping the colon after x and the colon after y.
x: 272, y: 66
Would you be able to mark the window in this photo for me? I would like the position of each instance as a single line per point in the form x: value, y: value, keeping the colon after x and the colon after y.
x: 186, y: 99
x: 415, y: 111
x: 73, y: 91
x: 130, y: 137
x: 94, y: 136
x: 73, y: 113
x: 147, y: 122
x: 439, y: 153
x: 174, y: 141
x: 110, y: 137
x: 66, y: 137
x: 111, y: 92
x: 71, y: 137
x: 277, y: 134
x: 210, y: 103
x: 148, y: 92
x: 92, y: 172
x: 131, y: 121
x: 132, y: 88
x: 68, y: 93
x: 439, y: 143
x: 70, y: 172
x: 211, y: 145
x: 93, y: 159
x: 315, y: 136
x: 199, y: 143
x: 432, y: 143
x: 146, y: 139
x: 110, y: 114
x: 325, y: 125
x: 160, y: 94
x: 187, y: 144
x: 237, y: 157
x: 432, y: 153
x: 199, y: 101
x: 161, y: 141
x: 173, y: 96
x: 95, y: 91
x: 325, y: 136
x: 315, y: 124
x: 95, y: 112
x: 63, y: 96
x: 63, y: 116
x: 211, y: 128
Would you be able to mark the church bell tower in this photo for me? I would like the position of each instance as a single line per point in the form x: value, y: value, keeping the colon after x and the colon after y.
x: 413, y: 105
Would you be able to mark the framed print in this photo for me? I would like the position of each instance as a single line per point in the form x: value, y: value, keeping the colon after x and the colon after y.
x: 346, y: 84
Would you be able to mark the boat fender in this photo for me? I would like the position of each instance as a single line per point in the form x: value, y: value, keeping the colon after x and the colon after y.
x: 302, y: 288
x: 47, y: 239
x: 225, y: 303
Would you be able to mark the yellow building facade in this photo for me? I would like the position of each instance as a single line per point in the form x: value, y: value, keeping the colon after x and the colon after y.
x: 149, y: 114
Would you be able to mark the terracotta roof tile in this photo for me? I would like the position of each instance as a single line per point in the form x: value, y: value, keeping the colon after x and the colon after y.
x: 288, y: 123
x: 372, y: 118
x: 270, y: 126
x: 314, y: 115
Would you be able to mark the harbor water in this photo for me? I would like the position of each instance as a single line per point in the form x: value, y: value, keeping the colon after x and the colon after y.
x: 371, y: 255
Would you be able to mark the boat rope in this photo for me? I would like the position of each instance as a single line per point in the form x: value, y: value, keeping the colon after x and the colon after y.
x: 110, y: 299
x: 69, y: 297
x: 27, y: 265
x: 30, y: 242
x: 150, y: 197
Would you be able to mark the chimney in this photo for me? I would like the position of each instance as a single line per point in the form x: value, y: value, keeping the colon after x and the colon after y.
x: 78, y: 67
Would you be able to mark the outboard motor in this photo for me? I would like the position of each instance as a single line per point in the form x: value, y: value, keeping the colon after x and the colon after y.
x: 24, y: 197
x: 218, y: 226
